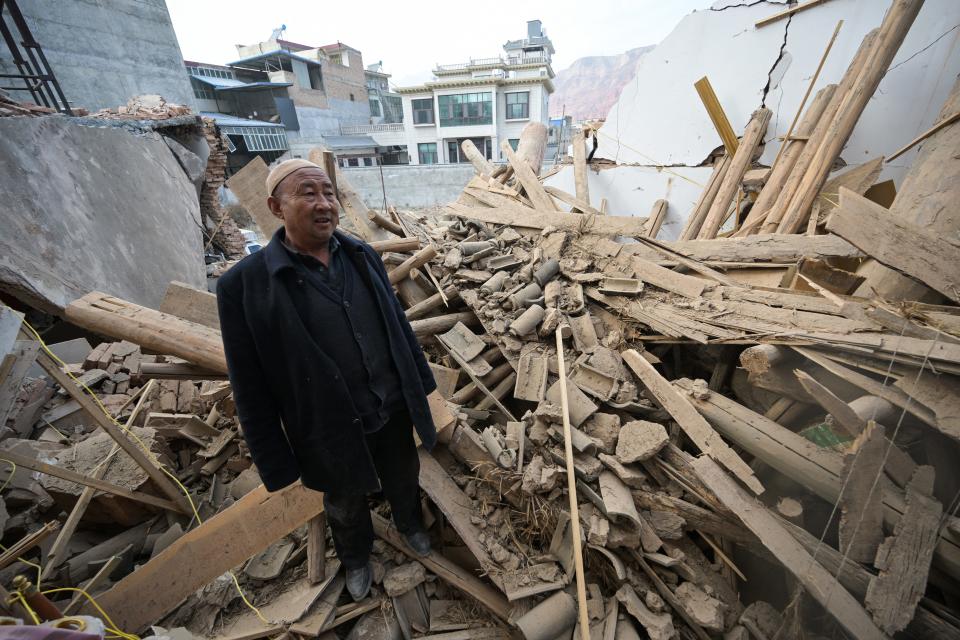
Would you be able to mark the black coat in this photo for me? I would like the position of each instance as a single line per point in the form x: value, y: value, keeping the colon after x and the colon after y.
x: 280, y: 376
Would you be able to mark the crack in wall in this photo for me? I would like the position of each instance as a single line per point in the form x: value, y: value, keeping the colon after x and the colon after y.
x: 773, y: 67
x: 744, y: 4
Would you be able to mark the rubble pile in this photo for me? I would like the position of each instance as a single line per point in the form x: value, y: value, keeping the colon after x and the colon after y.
x: 747, y: 433
x: 145, y: 107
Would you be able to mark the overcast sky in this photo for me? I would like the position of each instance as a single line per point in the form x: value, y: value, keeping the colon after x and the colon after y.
x: 412, y: 36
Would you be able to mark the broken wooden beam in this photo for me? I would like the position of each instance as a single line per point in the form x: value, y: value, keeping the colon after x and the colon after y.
x: 446, y: 570
x: 415, y: 261
x: 697, y: 429
x: 229, y: 538
x: 817, y: 581
x: 898, y: 244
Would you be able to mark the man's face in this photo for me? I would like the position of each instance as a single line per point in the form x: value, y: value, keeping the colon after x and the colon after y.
x: 306, y: 204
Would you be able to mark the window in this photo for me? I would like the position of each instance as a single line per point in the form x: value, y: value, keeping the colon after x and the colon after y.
x: 353, y: 162
x: 375, y: 108
x: 422, y: 111
x: 351, y: 97
x: 368, y: 162
x: 316, y: 80
x: 455, y: 152
x: 428, y: 152
x: 513, y: 143
x: 465, y: 109
x: 518, y: 105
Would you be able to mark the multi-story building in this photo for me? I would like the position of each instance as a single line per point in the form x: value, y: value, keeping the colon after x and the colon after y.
x: 486, y: 100
x: 294, y: 97
x: 386, y: 107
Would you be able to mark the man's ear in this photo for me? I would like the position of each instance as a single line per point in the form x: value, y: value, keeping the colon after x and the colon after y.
x: 274, y: 204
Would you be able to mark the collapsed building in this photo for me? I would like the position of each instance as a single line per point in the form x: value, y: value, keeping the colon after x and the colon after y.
x: 747, y: 430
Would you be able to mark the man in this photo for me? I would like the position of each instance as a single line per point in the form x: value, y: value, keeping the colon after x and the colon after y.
x: 326, y: 372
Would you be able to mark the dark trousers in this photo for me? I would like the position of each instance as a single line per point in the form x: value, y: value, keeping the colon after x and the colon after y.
x: 394, y: 454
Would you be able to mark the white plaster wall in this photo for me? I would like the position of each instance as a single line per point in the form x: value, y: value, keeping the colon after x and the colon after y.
x: 659, y: 118
x: 632, y: 190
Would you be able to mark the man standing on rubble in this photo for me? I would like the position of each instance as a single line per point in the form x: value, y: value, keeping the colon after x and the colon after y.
x: 326, y: 372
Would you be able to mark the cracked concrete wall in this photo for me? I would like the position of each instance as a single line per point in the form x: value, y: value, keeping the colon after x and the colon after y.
x: 93, y: 208
x: 659, y: 119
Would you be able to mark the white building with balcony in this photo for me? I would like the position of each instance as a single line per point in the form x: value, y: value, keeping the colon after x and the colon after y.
x: 486, y: 100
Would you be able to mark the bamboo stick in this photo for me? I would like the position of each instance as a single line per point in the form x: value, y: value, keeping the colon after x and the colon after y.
x: 572, y: 493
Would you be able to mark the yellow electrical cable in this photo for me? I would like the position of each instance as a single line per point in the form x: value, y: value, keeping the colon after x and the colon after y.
x: 26, y: 607
x: 147, y: 452
x: 112, y: 628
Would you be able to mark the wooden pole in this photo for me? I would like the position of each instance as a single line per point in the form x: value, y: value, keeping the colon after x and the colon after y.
x: 893, y: 31
x: 400, y: 245
x: 775, y: 214
x: 572, y: 492
x: 416, y: 260
x: 532, y: 146
x: 330, y: 168
x: 86, y: 496
x: 384, y: 223
x: 480, y: 164
x: 106, y: 423
x: 752, y: 138
x: 810, y: 85
x: 699, y: 213
x: 784, y: 164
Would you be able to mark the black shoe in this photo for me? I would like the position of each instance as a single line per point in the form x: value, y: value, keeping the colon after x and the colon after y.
x: 358, y: 582
x: 419, y: 542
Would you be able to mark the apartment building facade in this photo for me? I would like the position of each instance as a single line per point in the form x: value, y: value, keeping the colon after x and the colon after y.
x: 281, y: 96
x: 486, y: 100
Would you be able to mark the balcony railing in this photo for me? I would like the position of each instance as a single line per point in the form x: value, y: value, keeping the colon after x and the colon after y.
x: 486, y: 62
x: 360, y: 129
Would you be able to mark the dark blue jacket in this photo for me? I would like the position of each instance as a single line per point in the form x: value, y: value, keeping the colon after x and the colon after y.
x: 294, y: 408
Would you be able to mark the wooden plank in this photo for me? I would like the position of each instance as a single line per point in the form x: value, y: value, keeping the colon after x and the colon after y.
x: 224, y: 541
x: 526, y: 176
x: 87, y: 481
x: 939, y: 393
x: 873, y: 387
x: 357, y: 212
x: 772, y: 248
x: 191, y: 304
x: 787, y: 12
x: 524, y: 217
x: 250, y: 186
x: 151, y: 329
x: 802, y: 461
x: 697, y: 429
x: 904, y: 558
x: 681, y: 284
x: 819, y: 584
x: 107, y: 423
x: 317, y: 548
x: 717, y: 115
x: 447, y: 571
x: 899, y: 466
x: 898, y: 244
x: 861, y: 505
x: 458, y: 509
x: 658, y: 214
x: 580, y: 205
x: 581, y: 183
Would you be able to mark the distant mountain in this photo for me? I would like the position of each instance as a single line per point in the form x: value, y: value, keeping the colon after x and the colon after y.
x: 590, y: 86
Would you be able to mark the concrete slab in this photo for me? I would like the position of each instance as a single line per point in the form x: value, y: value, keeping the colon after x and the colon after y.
x: 93, y: 208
